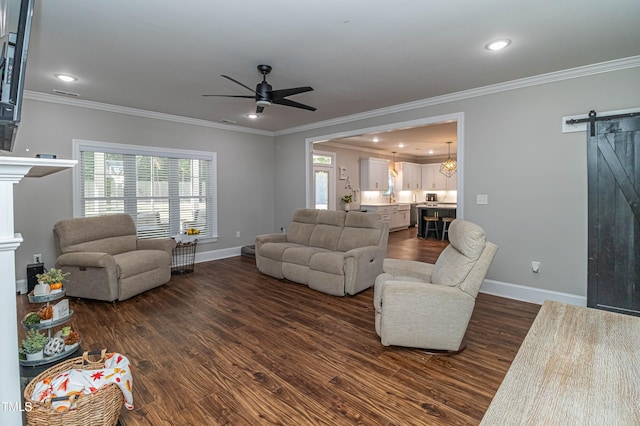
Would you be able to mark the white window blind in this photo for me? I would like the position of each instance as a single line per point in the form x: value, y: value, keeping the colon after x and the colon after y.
x: 164, y: 191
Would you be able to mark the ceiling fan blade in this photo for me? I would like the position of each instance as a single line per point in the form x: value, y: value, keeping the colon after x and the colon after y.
x: 283, y: 93
x: 288, y: 102
x: 233, y: 96
x: 259, y: 109
x: 237, y: 82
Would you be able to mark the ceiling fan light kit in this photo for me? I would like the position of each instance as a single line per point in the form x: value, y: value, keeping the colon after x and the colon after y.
x: 265, y: 95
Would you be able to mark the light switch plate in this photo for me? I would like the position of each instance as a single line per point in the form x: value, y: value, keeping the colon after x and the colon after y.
x: 482, y: 199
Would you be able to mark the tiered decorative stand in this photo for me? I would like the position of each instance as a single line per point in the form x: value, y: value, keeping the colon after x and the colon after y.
x: 69, y: 350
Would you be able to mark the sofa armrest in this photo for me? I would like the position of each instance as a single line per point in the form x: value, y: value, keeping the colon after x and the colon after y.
x: 164, y: 244
x: 361, y: 267
x: 409, y: 268
x: 86, y: 260
x: 271, y: 238
x: 268, y: 238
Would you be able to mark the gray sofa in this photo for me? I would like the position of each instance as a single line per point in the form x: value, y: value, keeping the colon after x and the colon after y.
x: 107, y: 261
x: 334, y: 252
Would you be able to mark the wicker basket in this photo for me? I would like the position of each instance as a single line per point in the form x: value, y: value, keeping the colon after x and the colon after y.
x: 99, y: 408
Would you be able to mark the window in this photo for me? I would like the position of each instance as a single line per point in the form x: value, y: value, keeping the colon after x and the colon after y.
x: 165, y: 191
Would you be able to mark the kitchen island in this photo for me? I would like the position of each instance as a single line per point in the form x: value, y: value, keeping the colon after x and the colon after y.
x: 439, y: 210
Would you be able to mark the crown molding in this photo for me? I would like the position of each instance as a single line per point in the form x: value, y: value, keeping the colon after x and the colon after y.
x: 44, y: 97
x: 584, y: 71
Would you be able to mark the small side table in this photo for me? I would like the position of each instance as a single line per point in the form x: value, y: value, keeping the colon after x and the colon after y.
x: 184, y: 257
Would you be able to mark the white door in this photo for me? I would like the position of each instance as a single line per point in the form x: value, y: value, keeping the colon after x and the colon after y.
x: 324, y: 180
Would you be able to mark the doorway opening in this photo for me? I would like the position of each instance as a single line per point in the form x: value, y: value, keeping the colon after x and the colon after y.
x: 318, y: 142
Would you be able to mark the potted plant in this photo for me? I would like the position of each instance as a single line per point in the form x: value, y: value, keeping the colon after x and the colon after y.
x: 53, y: 278
x: 347, y: 200
x: 33, y: 345
x: 31, y: 318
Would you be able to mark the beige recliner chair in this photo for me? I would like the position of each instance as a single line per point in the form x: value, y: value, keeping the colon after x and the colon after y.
x: 107, y: 261
x: 422, y: 305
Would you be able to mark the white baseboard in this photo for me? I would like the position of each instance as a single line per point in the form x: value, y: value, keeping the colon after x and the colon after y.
x: 206, y: 256
x: 530, y: 294
x: 21, y: 286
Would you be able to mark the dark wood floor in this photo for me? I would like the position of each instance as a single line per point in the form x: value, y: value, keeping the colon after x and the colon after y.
x: 227, y: 345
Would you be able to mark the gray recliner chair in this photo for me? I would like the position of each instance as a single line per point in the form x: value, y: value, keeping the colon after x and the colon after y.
x: 107, y: 261
x: 428, y: 306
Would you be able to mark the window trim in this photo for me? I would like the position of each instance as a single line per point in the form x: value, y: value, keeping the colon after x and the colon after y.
x: 87, y: 145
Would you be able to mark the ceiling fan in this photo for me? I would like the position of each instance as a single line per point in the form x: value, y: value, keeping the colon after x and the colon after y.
x: 265, y: 96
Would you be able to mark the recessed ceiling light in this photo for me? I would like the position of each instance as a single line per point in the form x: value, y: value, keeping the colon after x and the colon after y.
x: 498, y: 44
x: 66, y: 77
x: 400, y: 145
x: 430, y: 151
x: 376, y: 140
x: 253, y: 116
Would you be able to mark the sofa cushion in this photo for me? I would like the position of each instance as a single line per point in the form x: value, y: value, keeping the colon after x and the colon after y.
x: 327, y: 232
x: 330, y: 261
x: 276, y: 251
x: 302, y: 225
x: 468, y: 238
x: 458, y: 258
x: 111, y: 234
x: 360, y: 230
x: 300, y: 255
x: 140, y: 261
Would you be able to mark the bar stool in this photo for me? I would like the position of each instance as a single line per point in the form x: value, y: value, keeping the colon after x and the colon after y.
x: 427, y: 226
x: 446, y: 221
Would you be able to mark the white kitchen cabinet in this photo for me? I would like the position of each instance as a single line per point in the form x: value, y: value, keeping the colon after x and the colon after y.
x: 410, y: 177
x: 452, y: 182
x: 397, y: 216
x: 386, y: 212
x: 400, y: 217
x: 374, y: 174
x: 432, y: 179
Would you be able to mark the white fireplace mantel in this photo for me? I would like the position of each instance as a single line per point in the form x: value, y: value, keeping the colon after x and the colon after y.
x: 12, y: 170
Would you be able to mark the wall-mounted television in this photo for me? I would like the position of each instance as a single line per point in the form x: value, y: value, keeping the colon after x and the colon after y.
x: 15, y: 26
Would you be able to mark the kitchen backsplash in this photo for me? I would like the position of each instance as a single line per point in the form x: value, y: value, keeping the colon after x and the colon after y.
x: 376, y: 197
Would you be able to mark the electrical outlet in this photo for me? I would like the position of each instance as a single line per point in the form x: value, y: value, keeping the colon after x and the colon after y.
x: 237, y: 234
x: 37, y: 258
x: 535, y: 267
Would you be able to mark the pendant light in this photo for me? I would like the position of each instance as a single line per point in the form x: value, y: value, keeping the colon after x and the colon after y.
x: 394, y: 172
x: 449, y: 167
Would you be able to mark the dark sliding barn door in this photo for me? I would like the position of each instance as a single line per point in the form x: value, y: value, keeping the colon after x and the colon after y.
x: 614, y: 215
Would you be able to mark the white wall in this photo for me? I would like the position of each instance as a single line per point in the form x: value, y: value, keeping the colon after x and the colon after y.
x: 245, y: 171
x: 515, y: 151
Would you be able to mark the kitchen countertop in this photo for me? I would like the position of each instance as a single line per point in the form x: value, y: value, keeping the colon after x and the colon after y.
x: 439, y: 206
x: 383, y: 204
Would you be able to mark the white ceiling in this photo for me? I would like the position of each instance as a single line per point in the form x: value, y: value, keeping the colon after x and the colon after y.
x: 358, y: 55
